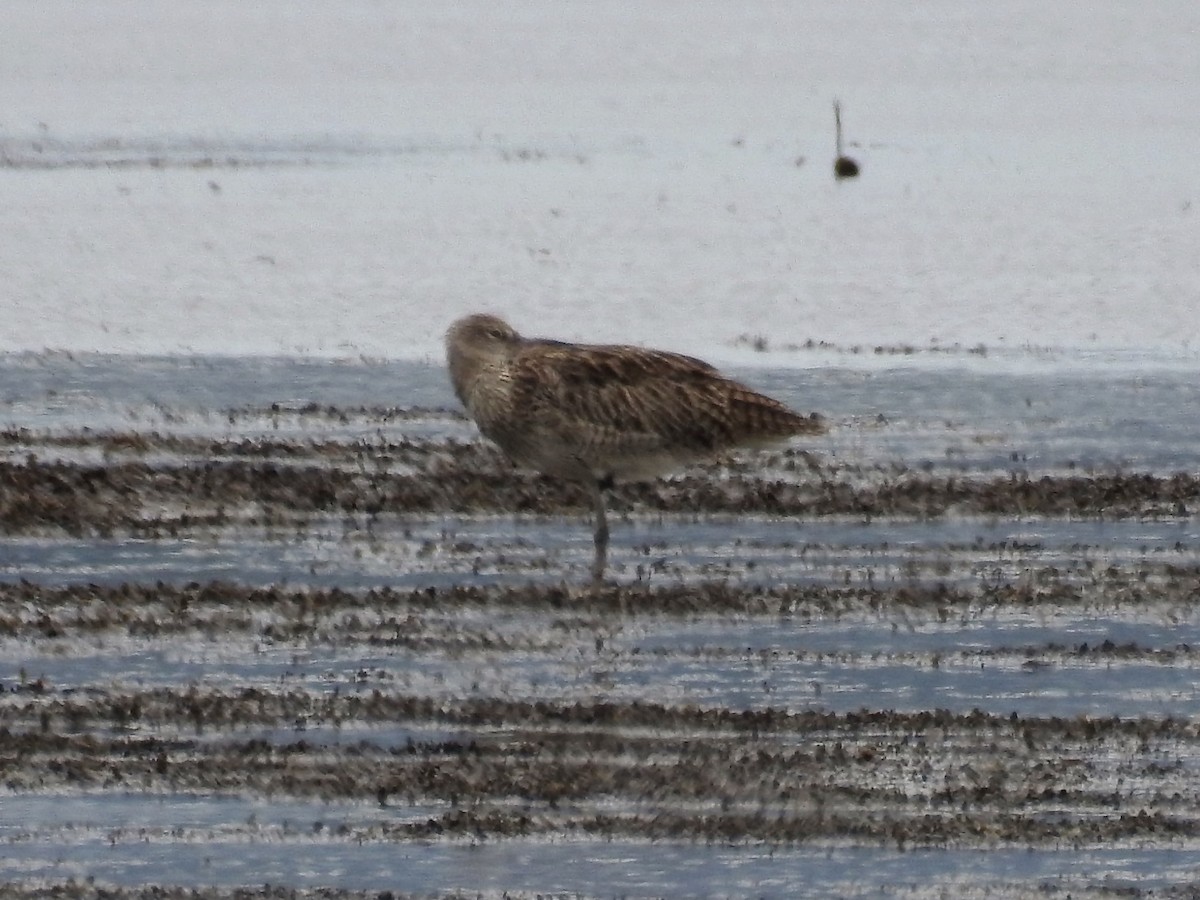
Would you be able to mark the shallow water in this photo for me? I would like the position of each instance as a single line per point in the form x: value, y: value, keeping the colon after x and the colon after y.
x: 964, y: 419
x: 1045, y: 660
x: 291, y: 851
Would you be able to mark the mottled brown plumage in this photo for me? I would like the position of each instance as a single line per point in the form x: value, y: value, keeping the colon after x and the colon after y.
x: 600, y: 414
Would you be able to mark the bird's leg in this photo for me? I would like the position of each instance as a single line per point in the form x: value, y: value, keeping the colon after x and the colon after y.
x: 600, y: 561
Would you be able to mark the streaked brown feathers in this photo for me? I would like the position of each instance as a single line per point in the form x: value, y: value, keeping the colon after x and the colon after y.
x: 583, y: 410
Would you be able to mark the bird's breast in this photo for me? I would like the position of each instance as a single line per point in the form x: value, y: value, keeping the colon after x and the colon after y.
x: 490, y: 401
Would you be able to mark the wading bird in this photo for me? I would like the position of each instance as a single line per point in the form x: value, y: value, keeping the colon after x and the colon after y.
x: 600, y: 414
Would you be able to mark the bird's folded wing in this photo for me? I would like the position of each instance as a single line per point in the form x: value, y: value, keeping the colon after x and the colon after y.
x: 645, y: 399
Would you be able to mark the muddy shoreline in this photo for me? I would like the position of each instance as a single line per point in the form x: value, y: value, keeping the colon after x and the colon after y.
x: 128, y: 493
x: 806, y: 649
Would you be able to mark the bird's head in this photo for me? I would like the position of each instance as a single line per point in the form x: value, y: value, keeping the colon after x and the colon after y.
x: 483, y: 331
x: 477, y: 342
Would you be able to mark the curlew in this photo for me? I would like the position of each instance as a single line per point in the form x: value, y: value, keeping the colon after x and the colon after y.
x: 601, y: 414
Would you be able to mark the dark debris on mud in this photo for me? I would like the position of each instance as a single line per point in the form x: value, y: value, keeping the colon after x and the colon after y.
x: 35, y: 611
x: 598, y: 769
x: 91, y: 889
x: 631, y: 770
x: 136, y: 496
x: 510, y: 767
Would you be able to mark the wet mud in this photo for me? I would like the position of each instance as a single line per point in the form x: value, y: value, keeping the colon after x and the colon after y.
x: 253, y: 482
x: 689, y: 708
